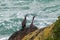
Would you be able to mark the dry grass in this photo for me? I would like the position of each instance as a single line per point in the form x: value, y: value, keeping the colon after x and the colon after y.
x: 41, y: 35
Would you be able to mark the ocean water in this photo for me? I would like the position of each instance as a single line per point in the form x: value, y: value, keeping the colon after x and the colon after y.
x: 12, y: 13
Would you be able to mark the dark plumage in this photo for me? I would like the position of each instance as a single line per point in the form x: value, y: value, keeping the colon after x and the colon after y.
x: 32, y: 27
x: 24, y: 23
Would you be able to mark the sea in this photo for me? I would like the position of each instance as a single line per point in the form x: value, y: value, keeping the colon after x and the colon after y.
x: 12, y: 13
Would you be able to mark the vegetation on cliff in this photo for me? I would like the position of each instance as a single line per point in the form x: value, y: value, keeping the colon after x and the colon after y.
x: 56, y: 31
x: 52, y: 32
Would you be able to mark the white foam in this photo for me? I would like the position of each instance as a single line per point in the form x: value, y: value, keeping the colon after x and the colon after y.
x: 4, y: 38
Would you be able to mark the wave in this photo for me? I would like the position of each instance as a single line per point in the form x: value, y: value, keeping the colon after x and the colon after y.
x: 4, y: 38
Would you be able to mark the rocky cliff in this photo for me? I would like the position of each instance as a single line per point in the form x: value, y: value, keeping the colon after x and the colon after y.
x: 51, y: 32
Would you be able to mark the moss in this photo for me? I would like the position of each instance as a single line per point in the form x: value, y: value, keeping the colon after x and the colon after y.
x: 56, y: 30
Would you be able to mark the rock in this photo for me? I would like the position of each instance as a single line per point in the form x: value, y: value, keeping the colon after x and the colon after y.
x: 21, y: 33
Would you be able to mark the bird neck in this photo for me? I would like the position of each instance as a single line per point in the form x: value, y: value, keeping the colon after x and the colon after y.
x: 32, y: 23
x: 25, y: 17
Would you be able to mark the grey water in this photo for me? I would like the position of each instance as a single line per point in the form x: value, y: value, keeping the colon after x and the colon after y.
x: 12, y: 13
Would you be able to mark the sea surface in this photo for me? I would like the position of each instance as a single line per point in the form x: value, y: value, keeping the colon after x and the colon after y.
x: 12, y: 13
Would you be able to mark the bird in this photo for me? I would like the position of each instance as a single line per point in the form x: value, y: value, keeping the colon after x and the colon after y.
x: 32, y: 26
x: 24, y: 23
x: 18, y: 35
